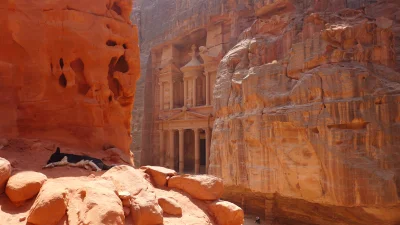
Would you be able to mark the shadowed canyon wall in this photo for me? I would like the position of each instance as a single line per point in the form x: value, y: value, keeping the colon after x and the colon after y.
x: 306, y: 106
x: 68, y: 71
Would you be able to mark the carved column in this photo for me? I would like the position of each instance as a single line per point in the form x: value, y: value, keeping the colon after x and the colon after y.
x: 194, y: 92
x: 181, y: 152
x: 162, y: 152
x: 171, y: 95
x: 208, y: 145
x: 196, y: 151
x: 161, y: 96
x: 207, y: 88
x: 171, y: 150
x: 185, y: 92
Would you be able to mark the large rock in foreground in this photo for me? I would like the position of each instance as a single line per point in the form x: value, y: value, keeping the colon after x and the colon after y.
x: 52, y: 201
x: 202, y: 187
x: 24, y: 185
x: 5, y: 173
x: 170, y: 206
x: 159, y: 174
x: 143, y: 202
x: 87, y: 200
x: 121, y: 195
x: 227, y: 213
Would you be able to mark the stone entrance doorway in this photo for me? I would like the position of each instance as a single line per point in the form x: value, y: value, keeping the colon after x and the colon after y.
x: 186, y: 150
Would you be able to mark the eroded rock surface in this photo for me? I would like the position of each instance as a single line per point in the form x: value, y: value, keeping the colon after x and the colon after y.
x: 306, y: 108
x: 305, y: 103
x: 68, y: 71
x: 5, y: 173
x: 122, y: 195
x: 24, y: 185
x: 202, y: 187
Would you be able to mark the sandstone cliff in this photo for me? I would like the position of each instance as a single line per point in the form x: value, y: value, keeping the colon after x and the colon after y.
x: 305, y: 103
x: 311, y: 113
x: 68, y: 71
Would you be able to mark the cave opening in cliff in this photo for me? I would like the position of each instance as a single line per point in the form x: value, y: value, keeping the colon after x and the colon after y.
x: 78, y: 67
x: 111, y: 43
x: 61, y: 63
x: 62, y: 80
x: 116, y: 8
x: 113, y: 83
x: 121, y: 65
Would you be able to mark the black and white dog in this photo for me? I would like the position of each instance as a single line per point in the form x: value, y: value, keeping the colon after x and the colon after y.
x: 89, y: 163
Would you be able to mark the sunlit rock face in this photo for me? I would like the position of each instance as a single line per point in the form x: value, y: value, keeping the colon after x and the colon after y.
x: 68, y: 71
x: 307, y: 113
x: 305, y: 103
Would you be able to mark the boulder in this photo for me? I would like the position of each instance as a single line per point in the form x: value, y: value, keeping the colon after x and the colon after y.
x: 95, y: 202
x: 90, y: 201
x: 144, y: 206
x: 170, y: 206
x: 226, y: 213
x: 159, y: 174
x: 24, y: 185
x: 51, y: 200
x: 127, y: 179
x: 145, y: 209
x: 5, y: 173
x: 203, y: 187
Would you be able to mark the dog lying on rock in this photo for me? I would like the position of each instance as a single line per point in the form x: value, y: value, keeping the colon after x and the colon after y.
x: 63, y: 159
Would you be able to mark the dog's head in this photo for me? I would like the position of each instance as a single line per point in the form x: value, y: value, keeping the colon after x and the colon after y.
x: 55, y: 157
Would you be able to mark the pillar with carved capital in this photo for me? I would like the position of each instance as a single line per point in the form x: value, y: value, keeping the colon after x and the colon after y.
x: 194, y: 92
x: 208, y: 145
x: 171, y: 149
x: 171, y: 95
x: 162, y: 147
x: 185, y: 92
x: 181, y: 151
x: 196, y: 151
x: 207, y: 88
x: 161, y: 96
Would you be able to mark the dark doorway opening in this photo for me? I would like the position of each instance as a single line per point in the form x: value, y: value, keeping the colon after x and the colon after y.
x: 202, y: 156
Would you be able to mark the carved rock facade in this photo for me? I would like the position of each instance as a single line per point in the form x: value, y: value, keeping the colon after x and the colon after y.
x: 305, y: 103
x: 68, y: 71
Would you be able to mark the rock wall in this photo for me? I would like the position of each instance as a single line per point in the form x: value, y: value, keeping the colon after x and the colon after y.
x: 68, y: 71
x: 307, y: 113
x: 306, y: 104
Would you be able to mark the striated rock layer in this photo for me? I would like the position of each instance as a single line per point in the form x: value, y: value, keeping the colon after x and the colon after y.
x: 305, y: 102
x: 68, y: 71
x: 307, y: 113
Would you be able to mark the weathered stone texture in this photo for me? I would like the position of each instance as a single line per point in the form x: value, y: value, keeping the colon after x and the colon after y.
x: 311, y: 111
x: 305, y: 103
x: 68, y: 71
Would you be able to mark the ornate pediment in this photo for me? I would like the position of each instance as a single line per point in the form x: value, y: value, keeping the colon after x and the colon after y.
x: 187, y: 115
